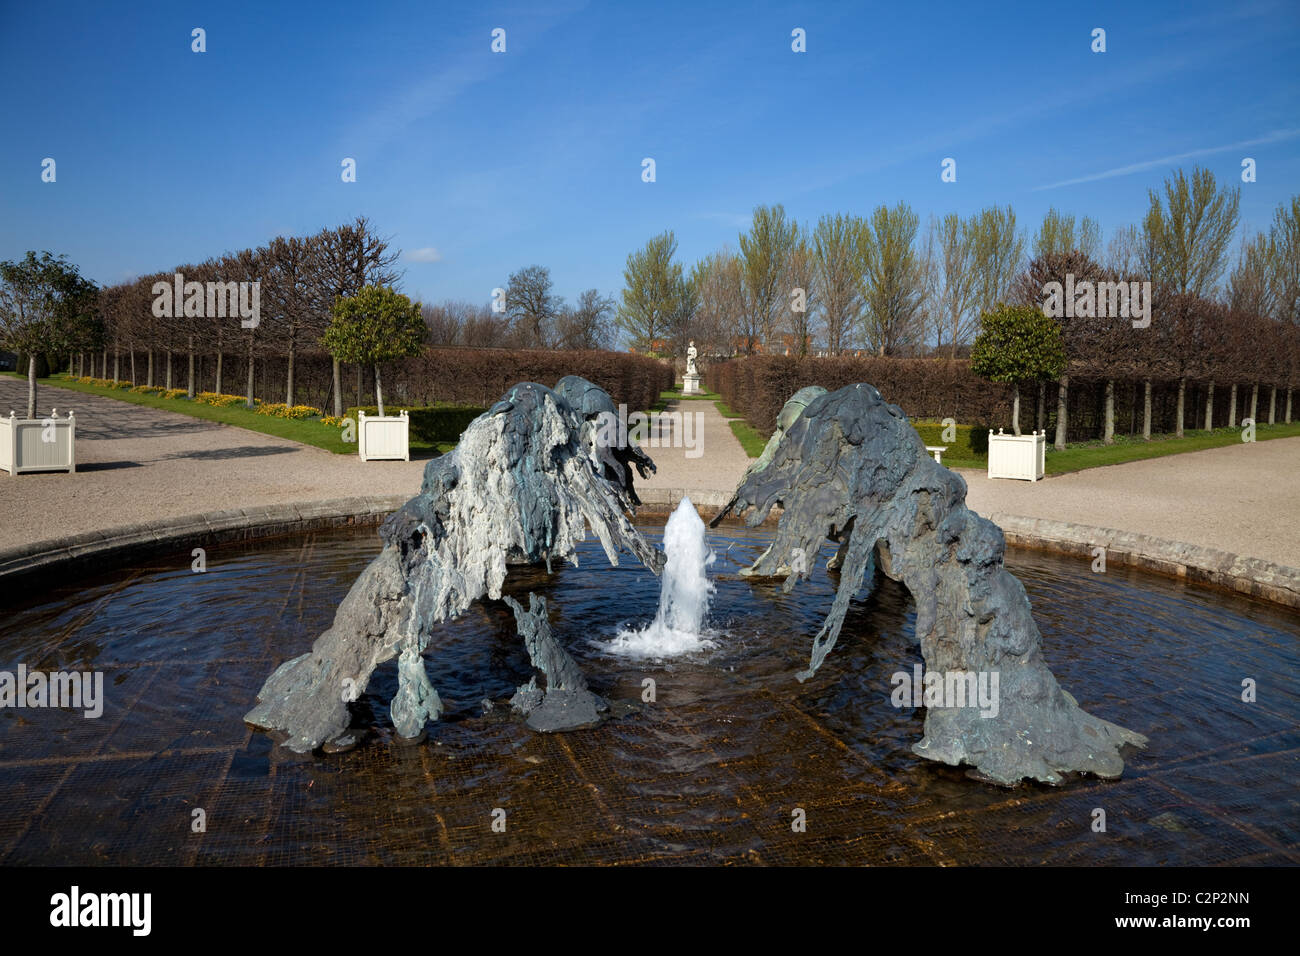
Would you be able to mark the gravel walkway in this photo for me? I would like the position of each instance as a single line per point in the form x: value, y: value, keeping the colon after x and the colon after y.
x: 1243, y: 499
x: 137, y: 464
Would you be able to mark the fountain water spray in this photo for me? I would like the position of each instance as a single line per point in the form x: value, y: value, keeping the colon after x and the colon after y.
x: 678, y: 628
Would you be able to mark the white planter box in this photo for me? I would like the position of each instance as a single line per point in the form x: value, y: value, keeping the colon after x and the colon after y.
x: 38, y: 444
x: 384, y: 439
x: 1017, y: 456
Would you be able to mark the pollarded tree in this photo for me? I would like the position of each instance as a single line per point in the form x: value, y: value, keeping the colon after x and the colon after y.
x: 1016, y: 345
x: 376, y: 325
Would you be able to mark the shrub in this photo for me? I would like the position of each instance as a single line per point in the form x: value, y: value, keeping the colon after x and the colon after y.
x: 979, y: 438
x: 175, y: 393
x: 148, y: 389
x: 434, y: 425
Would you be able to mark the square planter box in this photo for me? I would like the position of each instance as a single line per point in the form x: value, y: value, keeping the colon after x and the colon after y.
x: 384, y: 439
x: 1017, y: 456
x: 38, y: 444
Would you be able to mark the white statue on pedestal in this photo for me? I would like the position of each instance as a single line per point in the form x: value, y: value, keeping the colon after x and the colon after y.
x: 690, y: 359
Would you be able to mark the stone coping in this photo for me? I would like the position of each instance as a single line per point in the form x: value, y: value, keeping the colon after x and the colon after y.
x: 97, y: 550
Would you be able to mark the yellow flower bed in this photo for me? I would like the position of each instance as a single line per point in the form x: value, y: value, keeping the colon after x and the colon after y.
x: 218, y: 400
x: 281, y: 410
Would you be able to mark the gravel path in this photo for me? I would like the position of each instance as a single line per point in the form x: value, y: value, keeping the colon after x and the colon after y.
x: 709, y: 469
x: 1243, y: 499
x: 137, y: 464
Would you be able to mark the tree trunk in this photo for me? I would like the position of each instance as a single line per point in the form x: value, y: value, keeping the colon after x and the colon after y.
x: 1288, y: 405
x: 1272, y: 405
x: 1015, y: 408
x: 338, y: 390
x: 1146, y: 410
x: 117, y: 366
x: 103, y: 365
x: 31, y: 385
x: 134, y: 380
x: 379, y: 393
x: 288, y: 388
x: 1063, y: 388
x: 220, y: 356
x: 1182, y: 406
x: 169, y: 369
x: 249, y: 397
x: 1209, y: 409
x: 189, y: 384
x: 150, y: 373
x: 1108, y: 430
x: 1040, y: 417
x: 1232, y: 406
x: 1254, y: 404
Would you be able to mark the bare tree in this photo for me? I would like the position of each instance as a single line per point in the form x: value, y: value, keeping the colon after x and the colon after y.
x: 588, y: 324
x: 532, y: 307
x: 718, y: 279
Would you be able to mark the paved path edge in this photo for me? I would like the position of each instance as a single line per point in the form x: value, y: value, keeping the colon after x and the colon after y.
x: 96, y: 550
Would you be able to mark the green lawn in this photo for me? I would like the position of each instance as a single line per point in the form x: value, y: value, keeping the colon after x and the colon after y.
x: 308, y: 431
x: 1093, y: 454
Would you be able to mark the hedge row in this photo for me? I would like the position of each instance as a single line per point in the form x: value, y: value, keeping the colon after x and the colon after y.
x: 760, y: 385
x: 447, y: 375
x: 480, y: 376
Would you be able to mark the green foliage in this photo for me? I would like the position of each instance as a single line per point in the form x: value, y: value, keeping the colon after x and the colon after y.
x: 378, y: 324
x: 1018, y: 344
x: 657, y: 295
x: 979, y: 438
x: 46, y: 306
x: 434, y: 425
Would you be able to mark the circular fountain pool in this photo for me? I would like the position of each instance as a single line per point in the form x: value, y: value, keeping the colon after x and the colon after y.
x: 715, y: 767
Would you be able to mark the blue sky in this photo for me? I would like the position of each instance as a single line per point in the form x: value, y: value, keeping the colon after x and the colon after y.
x: 499, y: 161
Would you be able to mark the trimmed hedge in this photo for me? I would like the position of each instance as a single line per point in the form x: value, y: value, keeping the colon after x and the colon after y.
x: 760, y: 385
x: 432, y: 424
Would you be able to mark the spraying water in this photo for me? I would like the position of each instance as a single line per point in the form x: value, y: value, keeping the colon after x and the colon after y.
x: 678, y: 628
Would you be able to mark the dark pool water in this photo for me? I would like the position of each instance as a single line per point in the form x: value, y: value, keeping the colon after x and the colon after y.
x: 713, y: 770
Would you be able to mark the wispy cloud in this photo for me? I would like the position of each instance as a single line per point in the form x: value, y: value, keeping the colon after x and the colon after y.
x: 427, y: 254
x: 1276, y: 136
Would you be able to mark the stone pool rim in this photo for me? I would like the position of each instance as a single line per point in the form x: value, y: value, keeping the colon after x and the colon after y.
x: 113, y: 547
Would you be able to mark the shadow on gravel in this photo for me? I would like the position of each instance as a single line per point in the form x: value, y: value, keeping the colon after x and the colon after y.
x: 106, y: 465
x: 221, y: 454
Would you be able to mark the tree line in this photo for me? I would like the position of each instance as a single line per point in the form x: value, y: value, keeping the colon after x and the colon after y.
x: 879, y: 283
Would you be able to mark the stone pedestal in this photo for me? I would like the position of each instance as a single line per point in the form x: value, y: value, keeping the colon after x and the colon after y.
x: 691, y: 383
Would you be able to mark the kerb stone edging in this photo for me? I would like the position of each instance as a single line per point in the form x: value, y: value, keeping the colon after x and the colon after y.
x: 1264, y: 579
